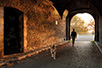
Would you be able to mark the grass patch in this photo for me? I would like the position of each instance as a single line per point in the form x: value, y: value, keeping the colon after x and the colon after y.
x: 69, y: 40
x: 92, y: 41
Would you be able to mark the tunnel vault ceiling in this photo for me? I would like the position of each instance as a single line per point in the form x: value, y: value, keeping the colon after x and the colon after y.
x: 72, y: 5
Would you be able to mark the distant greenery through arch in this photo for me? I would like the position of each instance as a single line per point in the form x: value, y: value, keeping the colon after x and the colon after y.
x: 83, y: 23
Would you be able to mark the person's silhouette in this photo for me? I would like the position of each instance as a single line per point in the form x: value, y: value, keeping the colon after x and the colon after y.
x: 73, y: 35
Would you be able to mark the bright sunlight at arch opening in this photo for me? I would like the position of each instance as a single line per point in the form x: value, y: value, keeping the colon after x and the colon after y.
x: 84, y: 24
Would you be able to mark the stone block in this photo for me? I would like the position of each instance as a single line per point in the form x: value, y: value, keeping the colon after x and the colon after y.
x: 1, y: 54
x: 22, y: 57
x: 1, y: 32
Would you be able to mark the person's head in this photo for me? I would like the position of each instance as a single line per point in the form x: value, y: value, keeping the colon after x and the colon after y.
x: 73, y: 29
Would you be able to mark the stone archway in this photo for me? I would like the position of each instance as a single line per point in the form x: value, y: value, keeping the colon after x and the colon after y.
x: 13, y: 31
x: 92, y: 12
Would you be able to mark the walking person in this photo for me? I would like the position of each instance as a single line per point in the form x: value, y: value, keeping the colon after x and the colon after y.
x: 73, y: 36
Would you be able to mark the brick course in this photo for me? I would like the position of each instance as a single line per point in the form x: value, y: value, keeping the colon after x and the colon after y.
x: 40, y: 29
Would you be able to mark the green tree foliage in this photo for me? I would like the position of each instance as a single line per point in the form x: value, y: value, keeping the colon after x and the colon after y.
x: 78, y: 24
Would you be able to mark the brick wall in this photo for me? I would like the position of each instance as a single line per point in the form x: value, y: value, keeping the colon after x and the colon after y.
x: 1, y: 31
x: 40, y: 29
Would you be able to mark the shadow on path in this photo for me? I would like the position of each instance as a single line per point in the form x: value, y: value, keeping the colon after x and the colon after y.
x: 84, y: 55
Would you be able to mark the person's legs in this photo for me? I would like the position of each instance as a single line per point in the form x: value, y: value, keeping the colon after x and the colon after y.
x: 73, y: 40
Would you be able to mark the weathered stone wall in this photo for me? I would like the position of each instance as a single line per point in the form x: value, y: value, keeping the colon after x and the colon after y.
x: 41, y: 28
x: 1, y: 31
x: 100, y: 29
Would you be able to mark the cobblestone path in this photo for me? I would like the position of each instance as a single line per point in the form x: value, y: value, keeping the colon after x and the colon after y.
x: 83, y: 55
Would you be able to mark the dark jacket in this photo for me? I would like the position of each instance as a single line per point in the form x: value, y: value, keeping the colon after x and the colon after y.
x: 73, y: 34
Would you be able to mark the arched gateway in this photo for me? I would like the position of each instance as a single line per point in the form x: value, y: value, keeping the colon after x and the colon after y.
x: 69, y: 17
x: 80, y: 6
x: 22, y: 36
